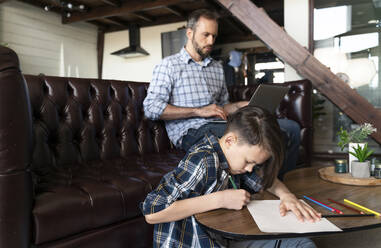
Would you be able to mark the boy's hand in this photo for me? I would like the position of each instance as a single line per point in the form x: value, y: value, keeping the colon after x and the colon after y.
x: 234, y: 198
x: 290, y: 203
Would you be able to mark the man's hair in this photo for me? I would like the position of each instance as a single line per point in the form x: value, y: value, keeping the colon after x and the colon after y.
x: 195, y: 16
x: 256, y: 126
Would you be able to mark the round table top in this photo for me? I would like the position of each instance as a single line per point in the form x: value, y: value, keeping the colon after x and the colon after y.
x: 304, y: 181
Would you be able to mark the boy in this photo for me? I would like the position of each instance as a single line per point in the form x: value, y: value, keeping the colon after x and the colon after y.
x: 201, y: 183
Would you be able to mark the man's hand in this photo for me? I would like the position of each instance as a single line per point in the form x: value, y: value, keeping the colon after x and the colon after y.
x: 211, y: 111
x: 302, y: 211
x: 234, y: 198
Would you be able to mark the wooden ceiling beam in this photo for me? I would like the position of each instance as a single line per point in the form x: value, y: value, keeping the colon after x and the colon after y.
x: 234, y: 26
x: 42, y: 5
x: 160, y: 21
x: 222, y: 39
x: 291, y: 52
x: 143, y: 16
x: 125, y: 8
x: 117, y: 22
x: 175, y: 11
x: 269, y: 6
x: 115, y: 3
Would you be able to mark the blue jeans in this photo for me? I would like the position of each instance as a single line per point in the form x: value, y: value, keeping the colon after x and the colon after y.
x: 292, y: 130
x: 289, y: 127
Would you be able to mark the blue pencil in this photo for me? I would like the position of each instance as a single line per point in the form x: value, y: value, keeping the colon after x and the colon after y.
x: 318, y: 203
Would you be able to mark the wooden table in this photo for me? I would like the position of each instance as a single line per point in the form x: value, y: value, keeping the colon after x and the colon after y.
x: 240, y: 224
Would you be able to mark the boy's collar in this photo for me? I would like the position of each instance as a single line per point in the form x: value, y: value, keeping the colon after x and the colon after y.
x: 213, y: 140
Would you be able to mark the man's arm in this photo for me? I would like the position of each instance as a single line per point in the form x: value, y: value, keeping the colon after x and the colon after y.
x: 289, y: 202
x: 232, y: 107
x: 172, y: 112
x: 181, y: 209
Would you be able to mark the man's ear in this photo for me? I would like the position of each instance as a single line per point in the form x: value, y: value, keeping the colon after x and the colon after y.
x: 189, y: 33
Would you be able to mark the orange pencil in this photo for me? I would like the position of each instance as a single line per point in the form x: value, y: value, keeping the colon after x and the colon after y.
x: 346, y: 206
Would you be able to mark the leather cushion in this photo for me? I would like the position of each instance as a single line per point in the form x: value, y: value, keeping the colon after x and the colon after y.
x: 89, y: 196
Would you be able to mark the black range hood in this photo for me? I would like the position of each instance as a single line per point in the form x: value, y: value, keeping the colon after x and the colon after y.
x: 134, y: 50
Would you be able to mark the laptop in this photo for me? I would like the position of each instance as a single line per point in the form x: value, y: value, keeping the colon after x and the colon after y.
x: 267, y: 96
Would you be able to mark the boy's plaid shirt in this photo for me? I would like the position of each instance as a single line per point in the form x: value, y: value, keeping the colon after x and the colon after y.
x: 203, y: 170
x: 180, y: 81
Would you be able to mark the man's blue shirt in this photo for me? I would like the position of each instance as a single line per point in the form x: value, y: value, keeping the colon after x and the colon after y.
x: 182, y: 82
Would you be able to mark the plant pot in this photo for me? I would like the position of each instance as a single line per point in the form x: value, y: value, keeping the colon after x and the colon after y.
x: 360, y: 169
x: 351, y: 157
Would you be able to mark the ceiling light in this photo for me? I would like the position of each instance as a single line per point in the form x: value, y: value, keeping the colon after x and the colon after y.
x: 373, y: 21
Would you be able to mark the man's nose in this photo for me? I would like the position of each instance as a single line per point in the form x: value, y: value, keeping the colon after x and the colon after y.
x: 210, y: 40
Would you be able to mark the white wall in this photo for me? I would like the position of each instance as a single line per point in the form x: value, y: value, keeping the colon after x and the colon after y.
x: 44, y: 45
x: 135, y: 68
x: 296, y: 25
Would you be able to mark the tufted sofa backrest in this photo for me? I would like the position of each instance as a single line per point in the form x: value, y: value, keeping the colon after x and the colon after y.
x: 78, y: 121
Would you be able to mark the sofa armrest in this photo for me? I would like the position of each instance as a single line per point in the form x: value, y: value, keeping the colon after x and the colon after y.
x: 15, y: 151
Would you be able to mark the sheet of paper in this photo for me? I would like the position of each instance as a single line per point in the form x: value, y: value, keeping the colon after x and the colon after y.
x: 266, y: 215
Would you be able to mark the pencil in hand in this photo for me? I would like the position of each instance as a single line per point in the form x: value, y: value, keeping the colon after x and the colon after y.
x: 232, y: 182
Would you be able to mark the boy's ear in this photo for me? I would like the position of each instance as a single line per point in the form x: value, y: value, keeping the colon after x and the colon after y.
x: 231, y: 139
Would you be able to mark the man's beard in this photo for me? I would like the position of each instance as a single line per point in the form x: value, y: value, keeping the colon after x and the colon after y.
x: 198, y: 49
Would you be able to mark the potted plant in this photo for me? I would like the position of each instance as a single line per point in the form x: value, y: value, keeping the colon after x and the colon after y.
x: 360, y: 167
x: 354, y: 138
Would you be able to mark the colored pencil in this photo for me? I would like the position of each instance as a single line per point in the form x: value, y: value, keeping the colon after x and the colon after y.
x: 361, y: 207
x: 231, y: 180
x: 346, y: 206
x: 319, y: 203
x: 333, y: 209
x: 346, y: 215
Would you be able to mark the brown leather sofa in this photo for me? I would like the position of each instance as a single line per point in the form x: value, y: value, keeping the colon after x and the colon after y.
x: 77, y: 156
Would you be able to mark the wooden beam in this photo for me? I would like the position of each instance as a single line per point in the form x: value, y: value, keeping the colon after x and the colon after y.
x: 290, y: 51
x: 160, y: 21
x: 100, y: 48
x: 116, y: 21
x: 55, y: 9
x: 125, y: 8
x: 114, y: 3
x: 144, y: 17
x: 234, y: 26
x: 176, y: 11
x: 311, y: 47
x: 221, y: 39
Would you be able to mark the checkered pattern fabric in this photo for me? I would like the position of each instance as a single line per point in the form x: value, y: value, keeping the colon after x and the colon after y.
x: 202, y: 171
x: 180, y: 81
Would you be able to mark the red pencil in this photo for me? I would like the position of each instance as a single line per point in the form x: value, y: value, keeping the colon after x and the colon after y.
x: 334, y: 209
x: 346, y: 206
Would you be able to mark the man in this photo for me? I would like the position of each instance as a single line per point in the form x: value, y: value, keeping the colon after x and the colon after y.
x: 188, y: 89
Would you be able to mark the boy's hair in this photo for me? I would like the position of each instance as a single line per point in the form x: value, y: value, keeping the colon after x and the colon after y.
x: 195, y: 16
x: 256, y: 126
